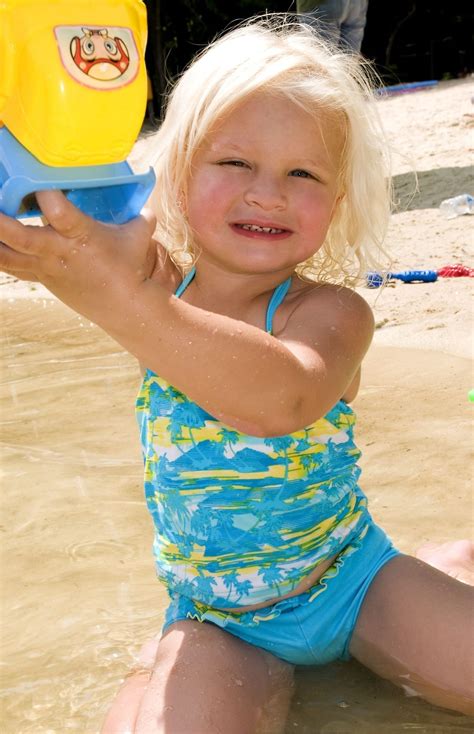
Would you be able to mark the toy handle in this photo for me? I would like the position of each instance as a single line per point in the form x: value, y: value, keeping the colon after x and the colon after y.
x: 7, y: 54
x: 410, y: 276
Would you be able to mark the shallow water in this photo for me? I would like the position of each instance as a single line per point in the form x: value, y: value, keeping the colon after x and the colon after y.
x: 78, y: 586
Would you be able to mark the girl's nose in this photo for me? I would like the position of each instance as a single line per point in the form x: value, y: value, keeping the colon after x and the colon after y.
x: 266, y: 193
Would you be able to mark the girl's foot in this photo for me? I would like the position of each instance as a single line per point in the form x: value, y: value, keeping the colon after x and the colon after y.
x: 455, y: 558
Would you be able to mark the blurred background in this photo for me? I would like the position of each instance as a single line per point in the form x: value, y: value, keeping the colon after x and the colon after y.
x: 408, y: 41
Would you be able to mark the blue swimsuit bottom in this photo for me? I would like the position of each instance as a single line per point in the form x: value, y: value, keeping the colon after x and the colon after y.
x: 313, y: 628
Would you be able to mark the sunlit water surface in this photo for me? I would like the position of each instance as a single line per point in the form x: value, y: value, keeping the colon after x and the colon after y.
x: 78, y: 586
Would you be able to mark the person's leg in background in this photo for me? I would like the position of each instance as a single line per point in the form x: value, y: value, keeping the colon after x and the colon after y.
x: 353, y: 25
x: 340, y: 21
x: 324, y: 16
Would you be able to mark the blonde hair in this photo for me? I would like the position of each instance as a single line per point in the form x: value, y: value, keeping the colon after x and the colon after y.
x: 272, y: 54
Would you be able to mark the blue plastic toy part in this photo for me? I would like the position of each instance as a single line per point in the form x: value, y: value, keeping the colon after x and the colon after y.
x: 375, y: 280
x: 414, y: 276
x: 111, y: 193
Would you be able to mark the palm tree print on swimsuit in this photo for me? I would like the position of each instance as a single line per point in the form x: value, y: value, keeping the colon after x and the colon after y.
x: 236, y: 514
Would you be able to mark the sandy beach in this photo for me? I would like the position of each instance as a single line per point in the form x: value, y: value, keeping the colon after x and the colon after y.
x: 78, y: 587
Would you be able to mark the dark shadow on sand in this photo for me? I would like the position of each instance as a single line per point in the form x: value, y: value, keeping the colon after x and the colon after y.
x: 433, y: 186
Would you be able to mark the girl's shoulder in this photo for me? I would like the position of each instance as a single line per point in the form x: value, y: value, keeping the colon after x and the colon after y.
x: 327, y: 304
x: 327, y: 317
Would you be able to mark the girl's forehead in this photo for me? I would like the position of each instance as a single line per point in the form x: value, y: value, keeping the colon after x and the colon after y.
x: 269, y: 108
x: 263, y: 120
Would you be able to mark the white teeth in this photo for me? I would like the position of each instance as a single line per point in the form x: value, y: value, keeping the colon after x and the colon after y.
x: 256, y: 228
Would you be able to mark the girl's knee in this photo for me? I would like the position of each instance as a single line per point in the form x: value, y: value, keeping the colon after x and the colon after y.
x: 203, y: 674
x: 195, y: 646
x: 203, y: 645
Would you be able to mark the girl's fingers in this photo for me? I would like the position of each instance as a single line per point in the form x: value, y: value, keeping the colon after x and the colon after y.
x: 20, y: 238
x: 35, y: 249
x: 17, y: 263
x: 22, y: 275
x: 65, y: 223
x: 66, y: 219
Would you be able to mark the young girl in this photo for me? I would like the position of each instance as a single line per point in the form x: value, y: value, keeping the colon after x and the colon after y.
x: 272, y: 198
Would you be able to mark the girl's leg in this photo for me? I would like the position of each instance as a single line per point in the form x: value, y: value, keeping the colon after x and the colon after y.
x: 416, y: 628
x: 204, y: 680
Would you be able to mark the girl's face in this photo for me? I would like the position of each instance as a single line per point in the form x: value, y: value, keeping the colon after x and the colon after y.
x: 264, y: 187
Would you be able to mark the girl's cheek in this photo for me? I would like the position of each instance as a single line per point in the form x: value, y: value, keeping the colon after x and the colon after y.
x: 317, y: 208
x: 210, y: 187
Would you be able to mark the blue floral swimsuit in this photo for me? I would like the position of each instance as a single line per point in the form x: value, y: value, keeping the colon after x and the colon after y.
x: 240, y: 519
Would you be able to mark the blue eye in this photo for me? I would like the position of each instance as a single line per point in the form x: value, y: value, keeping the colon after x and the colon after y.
x: 299, y: 173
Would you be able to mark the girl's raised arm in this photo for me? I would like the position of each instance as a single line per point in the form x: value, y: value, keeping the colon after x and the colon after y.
x: 237, y: 372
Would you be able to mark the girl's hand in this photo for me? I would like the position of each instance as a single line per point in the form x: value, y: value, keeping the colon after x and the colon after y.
x: 90, y: 266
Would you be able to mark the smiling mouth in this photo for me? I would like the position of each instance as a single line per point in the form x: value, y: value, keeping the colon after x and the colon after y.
x: 256, y: 228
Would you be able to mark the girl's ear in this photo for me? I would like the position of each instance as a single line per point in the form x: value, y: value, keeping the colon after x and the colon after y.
x: 337, y: 202
x: 339, y: 198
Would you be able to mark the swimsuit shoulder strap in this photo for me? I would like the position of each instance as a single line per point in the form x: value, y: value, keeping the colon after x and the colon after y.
x: 184, y: 283
x: 277, y: 297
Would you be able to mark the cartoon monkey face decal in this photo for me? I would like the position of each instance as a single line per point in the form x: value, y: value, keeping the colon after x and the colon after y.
x: 102, y: 58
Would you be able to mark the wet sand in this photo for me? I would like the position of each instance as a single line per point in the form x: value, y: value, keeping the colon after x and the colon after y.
x: 79, y: 592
